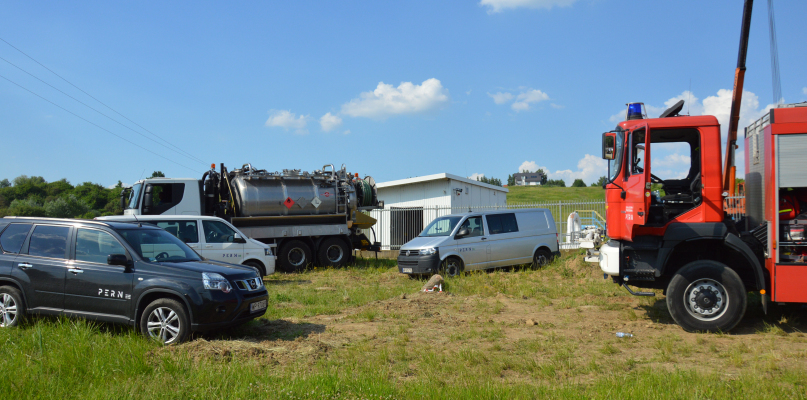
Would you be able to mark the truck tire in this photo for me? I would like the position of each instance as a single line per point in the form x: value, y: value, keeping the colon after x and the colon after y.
x: 12, y: 307
x: 295, y: 256
x: 706, y: 296
x: 256, y: 266
x: 451, y: 267
x: 166, y: 321
x: 333, y: 252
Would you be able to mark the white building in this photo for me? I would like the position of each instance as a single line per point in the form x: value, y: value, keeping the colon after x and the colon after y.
x: 410, y: 204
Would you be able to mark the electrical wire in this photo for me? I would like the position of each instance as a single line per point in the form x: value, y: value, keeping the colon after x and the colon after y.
x: 98, y: 126
x: 176, y: 148
x: 99, y: 112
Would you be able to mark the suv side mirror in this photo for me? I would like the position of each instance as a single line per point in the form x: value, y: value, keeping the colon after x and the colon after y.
x: 238, y: 239
x: 117, y: 259
x: 462, y: 233
x: 608, y: 145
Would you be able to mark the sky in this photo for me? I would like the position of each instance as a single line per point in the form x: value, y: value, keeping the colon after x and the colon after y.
x: 112, y: 91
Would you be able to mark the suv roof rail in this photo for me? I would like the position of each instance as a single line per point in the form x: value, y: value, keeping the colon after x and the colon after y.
x: 90, y: 221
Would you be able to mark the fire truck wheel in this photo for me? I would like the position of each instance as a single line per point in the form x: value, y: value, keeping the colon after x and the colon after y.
x: 542, y: 258
x: 451, y: 267
x: 333, y: 252
x: 294, y: 256
x: 706, y: 296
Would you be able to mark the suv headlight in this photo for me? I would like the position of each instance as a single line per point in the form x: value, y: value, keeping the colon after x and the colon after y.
x: 428, y: 252
x: 267, y: 251
x: 214, y: 281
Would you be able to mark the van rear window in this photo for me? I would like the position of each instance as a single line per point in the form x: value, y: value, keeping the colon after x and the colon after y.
x: 502, y: 223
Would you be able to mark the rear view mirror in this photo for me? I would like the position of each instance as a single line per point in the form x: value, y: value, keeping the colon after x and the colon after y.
x: 148, y: 198
x: 238, y: 239
x: 462, y: 233
x: 608, y: 145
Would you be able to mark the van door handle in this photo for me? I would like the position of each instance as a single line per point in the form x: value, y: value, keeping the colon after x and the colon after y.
x: 25, y: 265
x: 76, y: 270
x: 484, y: 238
x: 207, y: 246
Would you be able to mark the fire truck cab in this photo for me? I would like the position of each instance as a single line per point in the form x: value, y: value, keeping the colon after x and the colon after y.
x: 672, y: 233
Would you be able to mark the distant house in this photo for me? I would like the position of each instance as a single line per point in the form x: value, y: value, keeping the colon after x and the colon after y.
x: 528, y: 178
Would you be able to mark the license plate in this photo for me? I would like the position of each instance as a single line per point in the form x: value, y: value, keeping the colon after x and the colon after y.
x: 257, y: 306
x: 406, y: 270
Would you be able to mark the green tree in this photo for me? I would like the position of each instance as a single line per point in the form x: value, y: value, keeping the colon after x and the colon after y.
x: 69, y: 207
x: 5, y: 183
x: 578, y: 183
x: 157, y: 174
x: 511, y: 180
x: 555, y: 183
x: 26, y: 208
x: 600, y: 182
x: 59, y: 187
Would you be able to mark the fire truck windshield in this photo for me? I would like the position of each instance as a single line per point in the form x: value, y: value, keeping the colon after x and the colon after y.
x: 614, y: 166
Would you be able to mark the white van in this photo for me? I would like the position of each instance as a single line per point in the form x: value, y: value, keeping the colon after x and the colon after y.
x: 488, y: 239
x: 213, y: 238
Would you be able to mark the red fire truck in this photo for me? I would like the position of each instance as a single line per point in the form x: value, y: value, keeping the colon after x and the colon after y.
x: 683, y: 241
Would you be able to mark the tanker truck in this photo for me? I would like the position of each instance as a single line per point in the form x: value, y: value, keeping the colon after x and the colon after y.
x: 313, y: 218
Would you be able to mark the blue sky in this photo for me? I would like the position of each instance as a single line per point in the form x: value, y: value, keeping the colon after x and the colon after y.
x: 391, y: 89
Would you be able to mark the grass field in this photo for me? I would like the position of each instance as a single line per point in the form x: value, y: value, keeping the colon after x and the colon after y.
x: 365, y: 332
x: 538, y: 194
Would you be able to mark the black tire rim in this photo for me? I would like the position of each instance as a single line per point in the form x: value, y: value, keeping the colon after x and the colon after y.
x: 296, y: 257
x: 8, y: 310
x: 164, y: 325
x: 334, y: 253
x: 541, y: 260
x: 706, y: 299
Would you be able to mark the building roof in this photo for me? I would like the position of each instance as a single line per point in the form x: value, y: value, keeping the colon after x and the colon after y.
x: 435, y: 177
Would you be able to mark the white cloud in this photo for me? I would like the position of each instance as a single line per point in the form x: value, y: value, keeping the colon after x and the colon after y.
x: 496, y: 6
x: 501, y: 98
x: 347, y: 132
x: 524, y: 99
x: 330, y: 122
x: 407, y: 98
x: 589, y: 169
x: 287, y: 120
x: 804, y: 90
x: 557, y: 106
x: 476, y: 176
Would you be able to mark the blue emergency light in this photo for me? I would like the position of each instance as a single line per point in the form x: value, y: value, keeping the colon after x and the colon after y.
x: 635, y: 111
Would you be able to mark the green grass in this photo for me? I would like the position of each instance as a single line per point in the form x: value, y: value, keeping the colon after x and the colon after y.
x: 538, y: 194
x: 444, y: 346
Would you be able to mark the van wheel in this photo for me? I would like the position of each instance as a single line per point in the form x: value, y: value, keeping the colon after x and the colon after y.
x: 542, y: 258
x: 451, y: 267
x: 294, y: 256
x: 333, y: 252
x: 706, y: 296
x: 166, y: 321
x: 12, y: 307
x: 256, y: 266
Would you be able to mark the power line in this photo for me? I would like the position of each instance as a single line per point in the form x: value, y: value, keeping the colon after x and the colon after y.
x: 92, y: 97
x: 92, y: 108
x: 97, y: 126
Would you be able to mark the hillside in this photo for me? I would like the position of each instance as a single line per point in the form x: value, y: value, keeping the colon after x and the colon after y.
x: 538, y: 194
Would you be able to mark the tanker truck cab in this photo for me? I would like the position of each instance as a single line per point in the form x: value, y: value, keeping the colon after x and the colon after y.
x: 163, y: 196
x: 473, y: 241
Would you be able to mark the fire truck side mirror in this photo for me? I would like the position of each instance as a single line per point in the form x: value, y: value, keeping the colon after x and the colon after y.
x: 608, y: 145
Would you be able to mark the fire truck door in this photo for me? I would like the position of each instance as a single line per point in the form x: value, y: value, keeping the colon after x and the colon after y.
x: 637, y: 180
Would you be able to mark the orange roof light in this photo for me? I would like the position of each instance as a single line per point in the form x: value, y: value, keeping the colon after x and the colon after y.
x: 357, y: 174
x: 213, y: 166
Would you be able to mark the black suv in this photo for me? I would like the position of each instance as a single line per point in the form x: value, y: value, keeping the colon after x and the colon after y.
x: 120, y: 272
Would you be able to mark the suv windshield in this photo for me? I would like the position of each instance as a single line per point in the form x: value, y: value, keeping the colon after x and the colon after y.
x: 134, y: 196
x: 615, y: 165
x: 158, y: 245
x: 441, y: 226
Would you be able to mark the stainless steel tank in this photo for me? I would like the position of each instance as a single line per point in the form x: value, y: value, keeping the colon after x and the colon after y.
x: 262, y: 194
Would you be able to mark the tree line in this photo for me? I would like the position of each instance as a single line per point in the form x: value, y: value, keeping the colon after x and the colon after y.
x: 33, y: 196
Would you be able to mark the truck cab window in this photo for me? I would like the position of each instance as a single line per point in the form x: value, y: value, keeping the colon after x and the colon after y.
x: 637, y: 152
x: 165, y: 196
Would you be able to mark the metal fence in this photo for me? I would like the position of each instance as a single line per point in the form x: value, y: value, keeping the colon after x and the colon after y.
x: 395, y: 226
